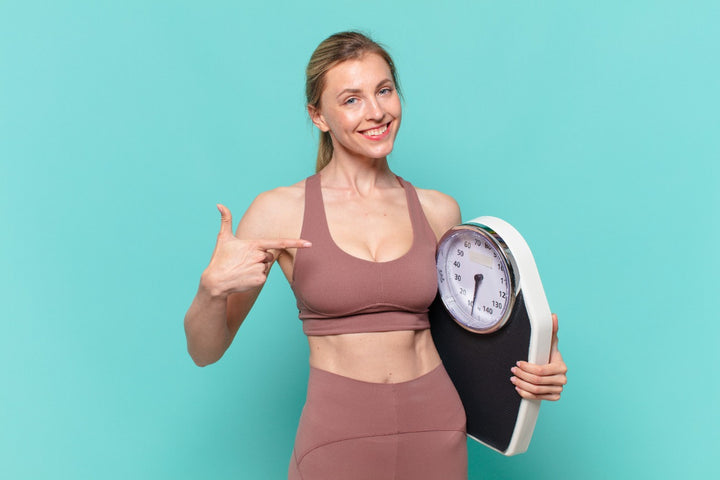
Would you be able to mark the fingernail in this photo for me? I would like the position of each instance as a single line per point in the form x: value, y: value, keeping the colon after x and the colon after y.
x: 513, y: 379
x: 307, y: 244
x: 513, y: 369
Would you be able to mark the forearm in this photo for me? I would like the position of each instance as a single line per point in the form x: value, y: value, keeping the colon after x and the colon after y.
x: 230, y: 284
x: 206, y: 327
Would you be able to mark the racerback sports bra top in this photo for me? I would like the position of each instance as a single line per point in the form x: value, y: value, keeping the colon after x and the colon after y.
x: 339, y: 293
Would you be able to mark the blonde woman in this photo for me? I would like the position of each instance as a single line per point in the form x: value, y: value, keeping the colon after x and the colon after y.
x: 357, y: 244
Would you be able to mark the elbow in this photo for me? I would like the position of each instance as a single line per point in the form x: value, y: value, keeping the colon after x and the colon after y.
x: 204, y: 347
x: 201, y: 363
x: 203, y: 360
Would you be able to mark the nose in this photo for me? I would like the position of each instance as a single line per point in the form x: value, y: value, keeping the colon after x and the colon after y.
x: 375, y: 111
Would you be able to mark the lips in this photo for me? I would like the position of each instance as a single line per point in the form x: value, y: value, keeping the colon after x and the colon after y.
x: 376, y: 133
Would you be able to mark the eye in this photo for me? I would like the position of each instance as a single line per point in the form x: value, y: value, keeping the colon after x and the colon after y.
x: 351, y: 101
x: 385, y: 91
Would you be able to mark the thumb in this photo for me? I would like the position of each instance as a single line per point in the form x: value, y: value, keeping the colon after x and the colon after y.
x: 554, y: 344
x: 225, y: 221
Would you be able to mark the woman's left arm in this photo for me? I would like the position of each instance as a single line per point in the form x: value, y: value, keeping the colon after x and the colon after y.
x: 542, y: 382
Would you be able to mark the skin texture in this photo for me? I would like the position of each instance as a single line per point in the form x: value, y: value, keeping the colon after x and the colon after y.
x: 368, y: 218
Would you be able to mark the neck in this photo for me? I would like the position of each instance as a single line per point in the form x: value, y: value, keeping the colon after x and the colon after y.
x: 356, y: 172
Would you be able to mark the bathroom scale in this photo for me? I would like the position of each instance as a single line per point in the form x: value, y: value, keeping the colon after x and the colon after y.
x: 490, y: 312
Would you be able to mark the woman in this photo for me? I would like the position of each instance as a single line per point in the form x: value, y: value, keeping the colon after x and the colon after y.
x: 357, y: 245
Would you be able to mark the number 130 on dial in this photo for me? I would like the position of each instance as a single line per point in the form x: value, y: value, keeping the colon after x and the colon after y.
x: 476, y: 277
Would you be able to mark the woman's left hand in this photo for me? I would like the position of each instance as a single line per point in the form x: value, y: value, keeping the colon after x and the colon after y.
x: 542, y: 382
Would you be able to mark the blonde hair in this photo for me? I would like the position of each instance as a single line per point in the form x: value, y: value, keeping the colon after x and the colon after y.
x: 335, y: 49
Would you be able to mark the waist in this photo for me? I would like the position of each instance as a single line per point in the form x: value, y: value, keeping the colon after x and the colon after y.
x: 379, y: 321
x: 377, y: 357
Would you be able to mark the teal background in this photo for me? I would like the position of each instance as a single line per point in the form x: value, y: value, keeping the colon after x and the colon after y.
x: 593, y: 127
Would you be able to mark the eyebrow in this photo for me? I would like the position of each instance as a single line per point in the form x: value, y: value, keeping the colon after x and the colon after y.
x: 357, y: 90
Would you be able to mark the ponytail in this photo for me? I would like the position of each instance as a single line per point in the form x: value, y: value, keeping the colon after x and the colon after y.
x: 325, y: 151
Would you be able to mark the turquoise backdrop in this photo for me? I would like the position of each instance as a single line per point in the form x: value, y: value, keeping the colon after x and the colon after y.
x: 593, y: 127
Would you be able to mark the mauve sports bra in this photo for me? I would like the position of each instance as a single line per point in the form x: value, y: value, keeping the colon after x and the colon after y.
x: 339, y: 293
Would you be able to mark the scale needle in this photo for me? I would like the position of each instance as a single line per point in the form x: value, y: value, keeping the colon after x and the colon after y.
x: 478, y: 281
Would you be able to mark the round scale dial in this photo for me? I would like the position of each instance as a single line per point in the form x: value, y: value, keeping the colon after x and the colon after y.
x: 476, y: 279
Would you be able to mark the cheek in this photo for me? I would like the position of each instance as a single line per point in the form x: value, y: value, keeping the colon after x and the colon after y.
x: 395, y: 108
x: 341, y: 123
x: 397, y: 112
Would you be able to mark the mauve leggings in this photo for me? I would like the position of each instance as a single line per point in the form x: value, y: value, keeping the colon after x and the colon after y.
x: 355, y: 430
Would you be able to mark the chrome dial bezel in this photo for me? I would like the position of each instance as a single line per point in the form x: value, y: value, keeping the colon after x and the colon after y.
x: 459, y: 309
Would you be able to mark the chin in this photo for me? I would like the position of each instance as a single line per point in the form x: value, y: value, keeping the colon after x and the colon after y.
x: 380, y: 155
x: 382, y: 151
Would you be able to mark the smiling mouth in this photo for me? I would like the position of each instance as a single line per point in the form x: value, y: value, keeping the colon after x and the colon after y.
x: 376, y: 132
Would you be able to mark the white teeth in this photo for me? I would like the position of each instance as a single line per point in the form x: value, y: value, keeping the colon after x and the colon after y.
x: 376, y: 131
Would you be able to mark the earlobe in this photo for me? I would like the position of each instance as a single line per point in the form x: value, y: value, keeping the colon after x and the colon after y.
x: 317, y: 118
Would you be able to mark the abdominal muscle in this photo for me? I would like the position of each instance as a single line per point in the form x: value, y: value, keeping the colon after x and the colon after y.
x: 378, y: 357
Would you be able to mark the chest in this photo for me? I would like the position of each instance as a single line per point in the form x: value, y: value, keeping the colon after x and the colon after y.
x: 376, y: 228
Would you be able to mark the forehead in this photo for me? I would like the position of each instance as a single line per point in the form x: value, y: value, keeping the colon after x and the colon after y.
x: 364, y: 72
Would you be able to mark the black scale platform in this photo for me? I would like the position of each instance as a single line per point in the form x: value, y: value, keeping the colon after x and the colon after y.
x: 479, y: 366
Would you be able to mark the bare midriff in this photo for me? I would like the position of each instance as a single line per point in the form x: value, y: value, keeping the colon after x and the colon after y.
x: 378, y: 357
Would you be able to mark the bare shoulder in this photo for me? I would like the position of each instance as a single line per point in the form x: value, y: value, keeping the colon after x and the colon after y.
x: 441, y: 210
x: 276, y: 213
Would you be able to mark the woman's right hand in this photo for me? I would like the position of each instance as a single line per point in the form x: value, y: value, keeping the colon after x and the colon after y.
x: 240, y: 265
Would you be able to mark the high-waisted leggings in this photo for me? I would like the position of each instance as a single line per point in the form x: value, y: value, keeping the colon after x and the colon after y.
x: 355, y: 430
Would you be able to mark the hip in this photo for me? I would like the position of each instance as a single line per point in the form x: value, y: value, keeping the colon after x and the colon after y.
x: 412, y: 426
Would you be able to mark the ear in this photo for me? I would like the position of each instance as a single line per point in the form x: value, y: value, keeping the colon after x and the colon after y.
x: 317, y: 118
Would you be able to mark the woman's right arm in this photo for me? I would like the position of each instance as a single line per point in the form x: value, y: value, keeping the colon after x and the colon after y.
x: 229, y: 287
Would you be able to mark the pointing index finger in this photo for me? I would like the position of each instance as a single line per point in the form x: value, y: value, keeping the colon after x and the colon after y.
x: 281, y: 243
